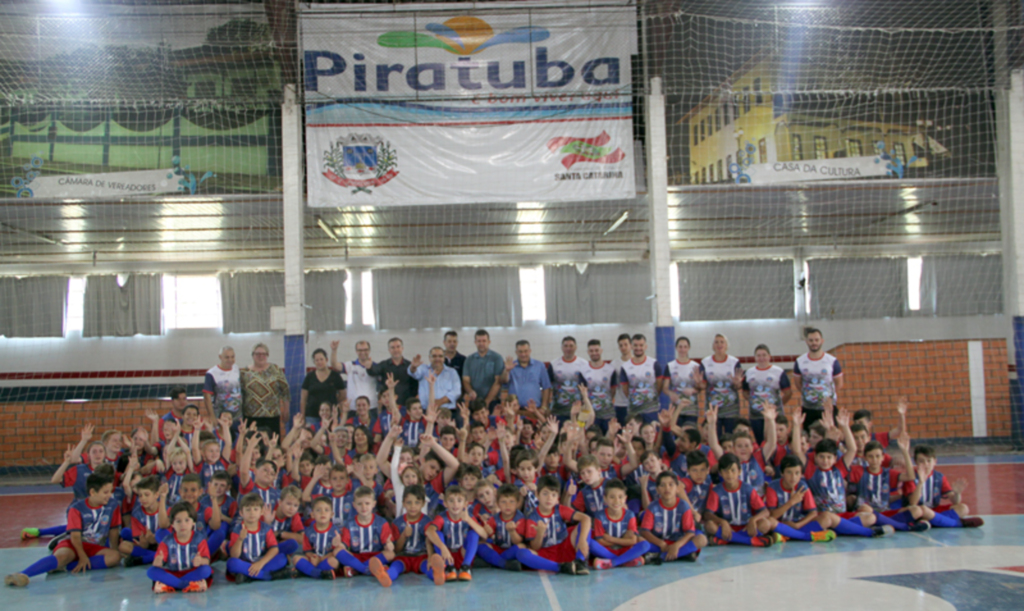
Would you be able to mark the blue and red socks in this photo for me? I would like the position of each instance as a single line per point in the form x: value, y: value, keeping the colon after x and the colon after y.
x: 179, y: 583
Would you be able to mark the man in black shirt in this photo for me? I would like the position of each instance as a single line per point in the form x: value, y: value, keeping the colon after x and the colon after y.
x: 398, y: 367
x: 452, y: 357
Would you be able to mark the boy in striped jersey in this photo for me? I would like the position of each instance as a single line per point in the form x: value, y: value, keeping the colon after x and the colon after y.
x: 616, y: 540
x: 501, y: 550
x: 939, y: 499
x: 286, y: 521
x: 253, y: 548
x: 411, y: 545
x: 792, y: 504
x: 369, y: 541
x: 90, y: 522
x: 876, y: 483
x: 735, y: 511
x: 321, y: 543
x: 455, y: 535
x: 669, y: 526
x: 140, y: 540
x: 182, y: 561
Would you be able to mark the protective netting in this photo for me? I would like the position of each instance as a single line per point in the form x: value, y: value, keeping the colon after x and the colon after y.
x: 144, y: 138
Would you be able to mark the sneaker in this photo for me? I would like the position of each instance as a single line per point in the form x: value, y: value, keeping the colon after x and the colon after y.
x: 465, y: 574
x: 713, y: 541
x: 601, y: 564
x: 883, y: 531
x: 196, y: 586
x: 652, y: 558
x: 328, y: 575
x: 972, y: 522
x: 450, y: 574
x: 29, y: 533
x: 581, y: 567
x: 634, y: 562
x: 568, y: 568
x: 54, y: 542
x: 778, y: 538
x: 285, y: 573
x: 436, y: 564
x: 823, y: 536
x: 513, y: 565
x: 16, y: 580
x: 691, y: 557
x: 163, y: 588
x: 919, y: 526
x: 131, y: 561
x: 762, y: 541
x: 348, y: 572
x: 241, y: 578
x: 377, y: 570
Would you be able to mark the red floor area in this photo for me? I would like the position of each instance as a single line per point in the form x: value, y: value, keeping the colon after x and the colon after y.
x: 991, y: 490
x: 35, y: 510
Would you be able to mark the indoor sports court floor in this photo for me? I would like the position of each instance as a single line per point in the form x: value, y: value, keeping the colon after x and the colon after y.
x: 981, y: 569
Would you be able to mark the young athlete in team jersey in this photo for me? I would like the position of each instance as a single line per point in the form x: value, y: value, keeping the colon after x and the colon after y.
x: 685, y: 380
x: 411, y: 538
x: 253, y: 547
x: 369, y: 540
x: 752, y: 461
x: 669, y: 525
x: 552, y: 545
x: 876, y: 484
x: 735, y: 511
x: 791, y: 503
x: 505, y: 519
x: 455, y: 536
x: 601, y: 384
x: 182, y: 560
x: 286, y: 521
x: 940, y: 500
x: 92, y: 522
x: 321, y: 543
x: 149, y: 516
x: 616, y: 540
x: 826, y: 476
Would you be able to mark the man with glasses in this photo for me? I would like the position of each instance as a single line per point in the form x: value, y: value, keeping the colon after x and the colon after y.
x: 362, y: 381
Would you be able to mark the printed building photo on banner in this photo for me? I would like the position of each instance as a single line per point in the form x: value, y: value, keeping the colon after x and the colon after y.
x: 456, y: 107
x: 105, y: 104
x: 750, y: 133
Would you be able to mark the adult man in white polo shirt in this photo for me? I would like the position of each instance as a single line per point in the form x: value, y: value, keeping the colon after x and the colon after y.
x: 817, y: 375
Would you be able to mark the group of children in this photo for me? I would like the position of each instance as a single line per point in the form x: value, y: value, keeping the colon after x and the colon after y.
x: 435, y: 492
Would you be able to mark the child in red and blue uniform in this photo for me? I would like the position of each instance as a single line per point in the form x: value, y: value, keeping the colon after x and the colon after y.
x: 253, y: 547
x: 455, y: 536
x: 939, y: 500
x: 182, y: 560
x: 791, y: 503
x: 286, y: 521
x: 669, y: 526
x: 411, y: 532
x: 369, y: 541
x: 736, y: 509
x: 321, y: 542
x: 149, y: 522
x: 501, y: 550
x: 92, y: 521
x: 616, y: 538
x: 553, y: 546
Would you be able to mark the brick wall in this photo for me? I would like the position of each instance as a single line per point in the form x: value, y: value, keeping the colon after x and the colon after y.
x: 38, y: 433
x: 932, y: 374
x: 934, y: 377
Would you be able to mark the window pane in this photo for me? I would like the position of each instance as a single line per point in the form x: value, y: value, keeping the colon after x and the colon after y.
x: 192, y: 302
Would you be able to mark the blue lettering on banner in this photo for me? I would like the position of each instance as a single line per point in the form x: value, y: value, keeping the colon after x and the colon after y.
x: 551, y: 73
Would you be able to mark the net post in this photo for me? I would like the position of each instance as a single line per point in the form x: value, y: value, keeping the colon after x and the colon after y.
x: 1010, y: 151
x: 657, y: 197
x: 292, y: 213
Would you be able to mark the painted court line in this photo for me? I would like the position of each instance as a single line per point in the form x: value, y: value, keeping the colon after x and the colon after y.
x: 929, y: 539
x: 550, y: 591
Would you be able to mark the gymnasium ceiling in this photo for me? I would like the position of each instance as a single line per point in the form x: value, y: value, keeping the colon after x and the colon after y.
x: 178, y: 233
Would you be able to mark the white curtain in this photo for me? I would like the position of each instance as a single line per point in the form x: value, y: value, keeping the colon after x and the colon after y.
x: 33, y: 307
x: 246, y: 299
x: 440, y: 297
x: 736, y: 290
x: 858, y: 287
x: 605, y: 293
x: 962, y: 285
x: 325, y: 295
x: 123, y: 311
